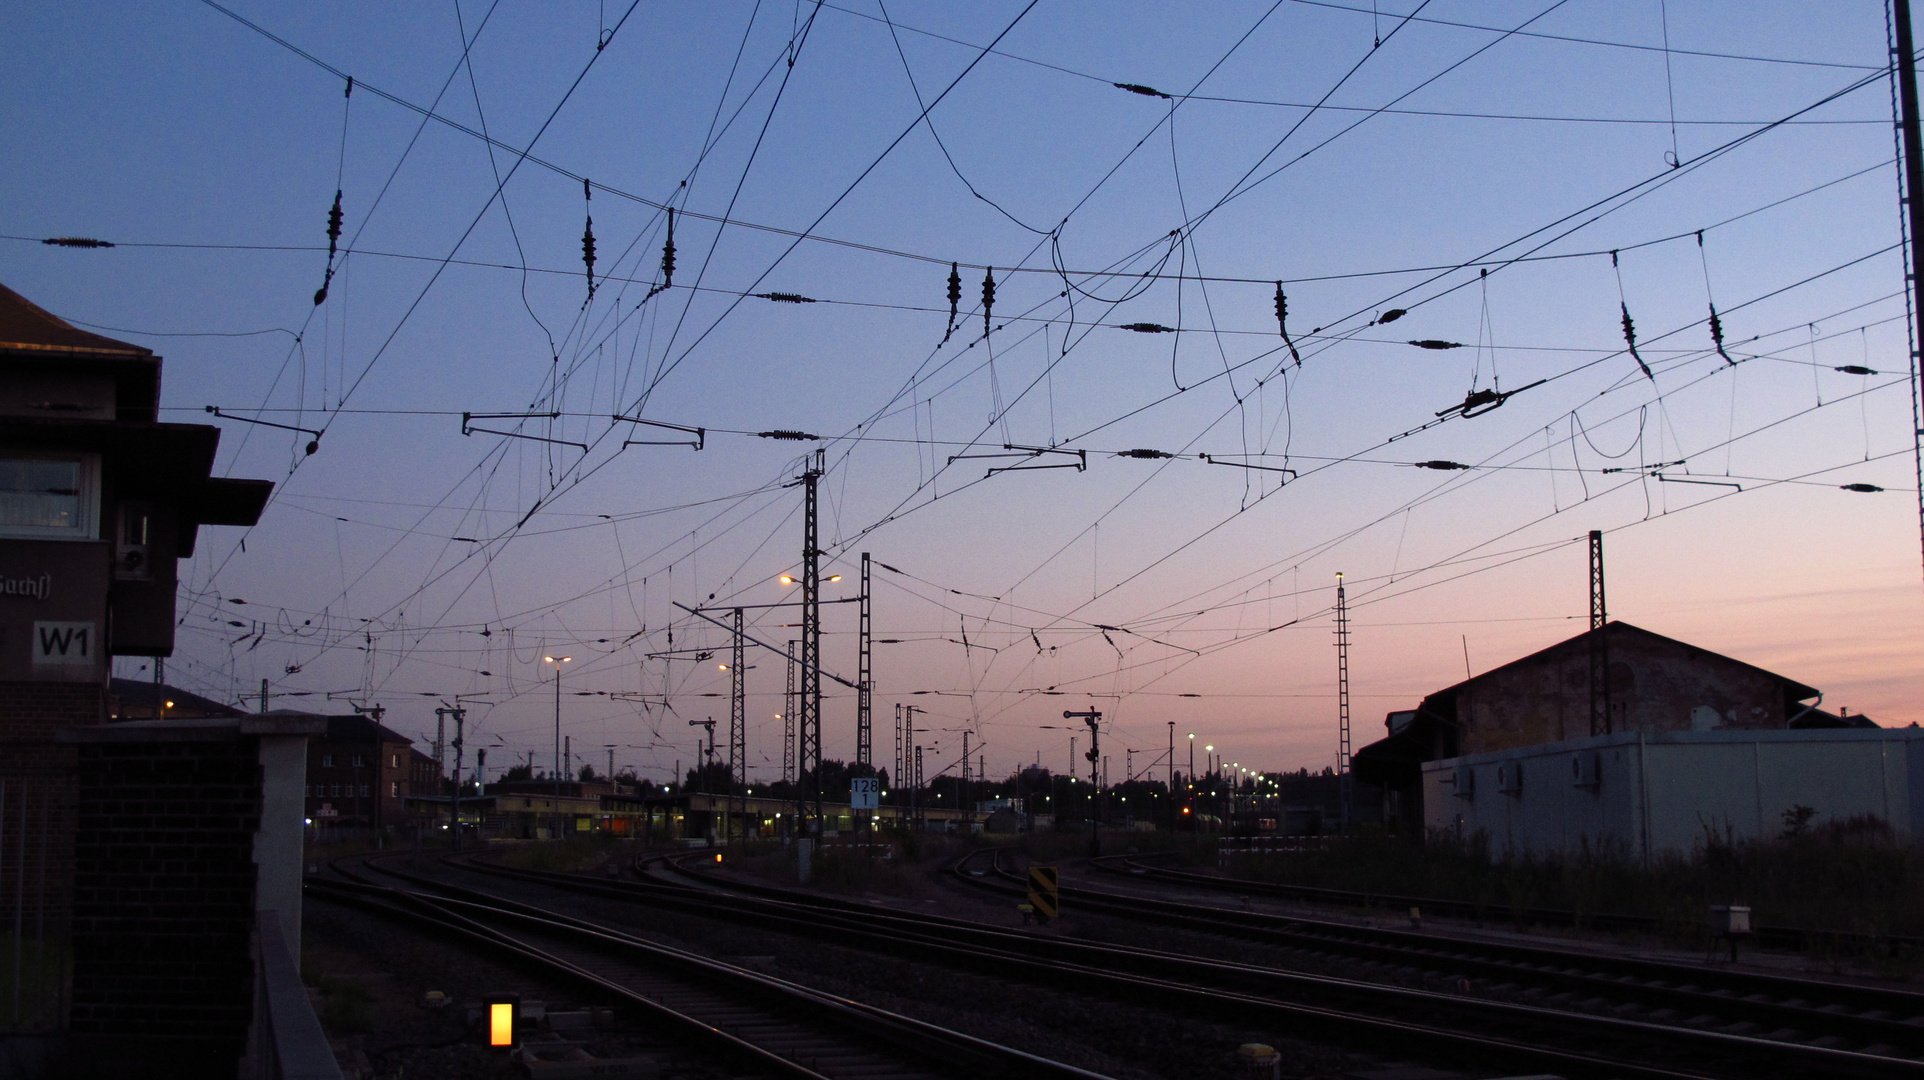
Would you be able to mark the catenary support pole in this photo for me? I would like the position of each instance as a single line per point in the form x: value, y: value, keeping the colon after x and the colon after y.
x: 737, y: 730
x: 1913, y: 140
x: 811, y: 689
x: 1599, y: 641
x: 864, y: 673
x: 1346, y: 786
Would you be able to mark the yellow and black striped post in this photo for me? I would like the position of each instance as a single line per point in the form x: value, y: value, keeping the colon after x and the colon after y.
x: 1045, y: 892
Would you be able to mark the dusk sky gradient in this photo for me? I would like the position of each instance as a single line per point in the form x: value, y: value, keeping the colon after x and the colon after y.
x: 405, y: 563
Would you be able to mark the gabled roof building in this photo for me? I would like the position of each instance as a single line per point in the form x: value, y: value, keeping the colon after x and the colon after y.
x: 1656, y: 684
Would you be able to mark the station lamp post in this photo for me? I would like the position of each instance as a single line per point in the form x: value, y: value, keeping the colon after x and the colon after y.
x: 554, y: 825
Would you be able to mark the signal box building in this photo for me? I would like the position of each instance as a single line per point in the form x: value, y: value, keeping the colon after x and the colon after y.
x: 135, y: 852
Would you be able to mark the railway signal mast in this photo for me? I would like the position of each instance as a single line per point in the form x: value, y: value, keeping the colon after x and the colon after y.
x: 1092, y: 718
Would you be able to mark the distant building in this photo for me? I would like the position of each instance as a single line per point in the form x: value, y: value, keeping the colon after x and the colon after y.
x: 360, y: 774
x: 140, y: 699
x: 1644, y: 795
x: 1656, y: 684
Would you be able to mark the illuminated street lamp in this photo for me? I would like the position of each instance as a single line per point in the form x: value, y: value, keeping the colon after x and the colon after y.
x: 555, y: 822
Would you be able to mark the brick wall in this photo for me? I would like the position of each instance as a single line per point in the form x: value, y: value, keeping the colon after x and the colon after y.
x: 37, y: 785
x: 30, y: 712
x: 163, y: 905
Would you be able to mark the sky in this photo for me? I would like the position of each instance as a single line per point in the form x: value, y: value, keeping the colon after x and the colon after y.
x: 1179, y: 486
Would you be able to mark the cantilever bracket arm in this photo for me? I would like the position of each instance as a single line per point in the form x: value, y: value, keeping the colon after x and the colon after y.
x: 1029, y: 453
x: 468, y: 428
x: 819, y: 670
x: 1246, y: 465
x: 1706, y: 483
x: 215, y: 409
x: 700, y: 434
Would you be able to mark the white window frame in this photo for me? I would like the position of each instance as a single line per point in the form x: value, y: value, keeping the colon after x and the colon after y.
x: 88, y: 527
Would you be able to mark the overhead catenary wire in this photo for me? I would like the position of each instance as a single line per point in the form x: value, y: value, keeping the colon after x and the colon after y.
x: 860, y: 437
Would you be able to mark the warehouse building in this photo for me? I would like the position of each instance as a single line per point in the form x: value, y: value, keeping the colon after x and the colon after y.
x: 1542, y: 704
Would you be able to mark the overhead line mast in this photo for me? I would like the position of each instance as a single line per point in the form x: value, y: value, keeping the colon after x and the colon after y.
x: 1346, y: 792
x: 1599, y: 644
x: 789, y: 708
x: 737, y: 728
x: 1905, y: 59
x: 864, y: 674
x: 810, y: 728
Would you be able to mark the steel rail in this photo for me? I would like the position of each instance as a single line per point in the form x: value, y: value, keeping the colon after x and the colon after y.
x: 937, y: 1051
x: 1785, y: 937
x: 1883, y: 1016
x: 1422, y: 1020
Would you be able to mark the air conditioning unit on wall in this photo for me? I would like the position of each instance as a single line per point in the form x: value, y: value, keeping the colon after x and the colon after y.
x: 1509, y: 778
x: 1586, y: 770
x: 1465, y: 781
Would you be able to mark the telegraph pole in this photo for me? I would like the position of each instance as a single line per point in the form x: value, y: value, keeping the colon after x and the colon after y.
x: 1905, y: 59
x: 737, y: 728
x: 1092, y: 718
x: 1346, y: 792
x: 1599, y: 642
x: 864, y: 673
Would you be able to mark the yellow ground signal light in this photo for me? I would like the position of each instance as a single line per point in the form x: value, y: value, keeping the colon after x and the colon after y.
x: 504, y: 1020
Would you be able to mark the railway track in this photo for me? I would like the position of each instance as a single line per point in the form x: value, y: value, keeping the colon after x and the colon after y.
x: 1875, y: 1021
x: 1778, y: 937
x: 1494, y: 1036
x: 762, y: 1025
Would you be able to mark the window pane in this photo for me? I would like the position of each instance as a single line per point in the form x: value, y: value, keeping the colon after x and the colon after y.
x: 40, y: 493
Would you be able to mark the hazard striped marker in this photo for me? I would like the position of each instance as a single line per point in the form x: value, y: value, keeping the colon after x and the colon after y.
x: 1045, y: 892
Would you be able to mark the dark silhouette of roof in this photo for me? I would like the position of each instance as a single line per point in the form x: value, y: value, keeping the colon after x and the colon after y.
x: 1794, y: 690
x: 135, y: 699
x: 26, y: 325
x: 362, y: 729
x: 1429, y: 732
